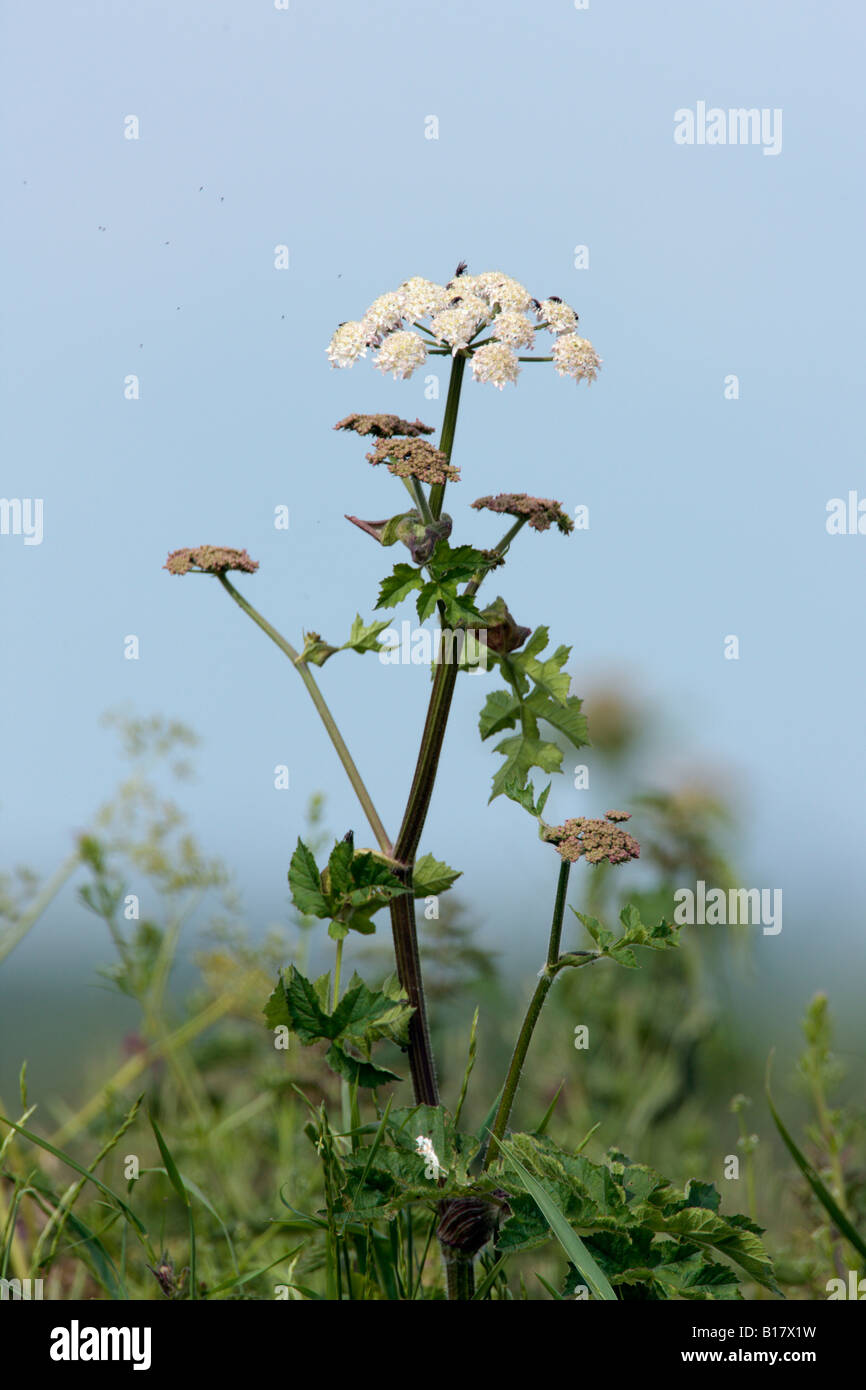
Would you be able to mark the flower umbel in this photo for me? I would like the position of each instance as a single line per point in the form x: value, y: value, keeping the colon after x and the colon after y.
x: 455, y: 314
x: 400, y: 354
x: 593, y: 840
x: 383, y: 426
x: 414, y: 458
x: 541, y: 512
x: 496, y: 363
x: 574, y: 356
x: 209, y: 559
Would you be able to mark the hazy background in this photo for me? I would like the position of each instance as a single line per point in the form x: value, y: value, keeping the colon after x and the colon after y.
x: 260, y: 127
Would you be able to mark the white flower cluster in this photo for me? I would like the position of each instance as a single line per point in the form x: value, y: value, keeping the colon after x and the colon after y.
x: 456, y: 314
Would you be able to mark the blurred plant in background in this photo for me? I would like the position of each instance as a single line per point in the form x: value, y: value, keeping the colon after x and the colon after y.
x: 196, y: 1066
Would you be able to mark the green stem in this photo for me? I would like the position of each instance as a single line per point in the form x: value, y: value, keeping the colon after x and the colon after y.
x: 324, y: 713
x: 501, y: 549
x: 449, y: 425
x: 421, y: 500
x: 460, y: 1276
x: 536, y: 1004
x: 47, y: 893
x: 403, y: 908
x: 337, y: 966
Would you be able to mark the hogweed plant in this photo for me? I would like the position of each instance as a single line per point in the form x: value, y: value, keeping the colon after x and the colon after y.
x: 397, y: 1176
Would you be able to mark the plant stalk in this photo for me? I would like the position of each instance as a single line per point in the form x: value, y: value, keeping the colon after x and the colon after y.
x: 325, y: 715
x: 449, y: 425
x: 536, y: 1004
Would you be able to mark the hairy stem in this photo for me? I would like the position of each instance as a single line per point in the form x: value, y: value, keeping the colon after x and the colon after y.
x: 449, y: 425
x: 403, y: 908
x: 536, y: 1004
x: 325, y: 715
x: 460, y: 1276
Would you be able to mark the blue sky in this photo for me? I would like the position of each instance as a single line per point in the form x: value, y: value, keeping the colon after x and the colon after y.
x: 261, y: 127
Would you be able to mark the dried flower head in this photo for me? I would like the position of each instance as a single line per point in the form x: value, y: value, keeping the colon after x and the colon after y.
x: 209, y: 559
x: 414, y: 458
x: 593, y: 840
x: 542, y: 512
x: 383, y: 426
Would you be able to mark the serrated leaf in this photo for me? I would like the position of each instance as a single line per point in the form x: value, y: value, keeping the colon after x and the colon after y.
x: 537, y: 642
x: 524, y: 796
x: 623, y: 955
x: 702, y: 1194
x: 306, y: 884
x: 306, y: 1016
x: 501, y: 711
x: 522, y: 753
x: 398, y: 584
x: 431, y: 876
x: 364, y: 637
x: 364, y: 1015
x: 602, y: 936
x: 548, y: 676
x: 276, y: 1009
x: 356, y: 1071
x: 340, y: 867
x: 430, y: 594
x: 565, y: 716
x: 458, y: 564
x: 460, y: 609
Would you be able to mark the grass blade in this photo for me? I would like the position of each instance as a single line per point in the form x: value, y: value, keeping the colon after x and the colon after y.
x: 488, y: 1281
x: 558, y: 1223
x: 177, y: 1183
x: 828, y: 1202
x: 77, y: 1168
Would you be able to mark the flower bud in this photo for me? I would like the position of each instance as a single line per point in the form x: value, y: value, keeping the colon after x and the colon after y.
x: 421, y: 538
x: 501, y: 633
x: 468, y: 1223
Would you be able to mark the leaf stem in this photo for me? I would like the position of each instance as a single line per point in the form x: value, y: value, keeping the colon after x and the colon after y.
x: 325, y: 715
